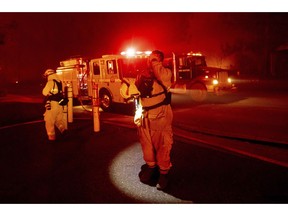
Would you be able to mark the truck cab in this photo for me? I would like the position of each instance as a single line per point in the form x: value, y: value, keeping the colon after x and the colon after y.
x: 192, y: 76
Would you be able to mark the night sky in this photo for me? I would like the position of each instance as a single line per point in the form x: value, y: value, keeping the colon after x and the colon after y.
x: 32, y: 42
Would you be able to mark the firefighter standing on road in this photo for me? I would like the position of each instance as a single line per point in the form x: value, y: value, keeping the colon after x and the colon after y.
x: 53, y: 115
x: 155, y: 125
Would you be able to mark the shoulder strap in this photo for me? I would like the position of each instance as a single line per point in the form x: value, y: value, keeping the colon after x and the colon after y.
x: 166, y: 101
x: 59, y: 85
x: 164, y: 88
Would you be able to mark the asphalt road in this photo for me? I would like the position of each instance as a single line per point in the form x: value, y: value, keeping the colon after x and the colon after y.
x: 89, y: 167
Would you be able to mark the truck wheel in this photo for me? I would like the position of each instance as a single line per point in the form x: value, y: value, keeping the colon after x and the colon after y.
x: 198, y: 92
x: 105, y: 100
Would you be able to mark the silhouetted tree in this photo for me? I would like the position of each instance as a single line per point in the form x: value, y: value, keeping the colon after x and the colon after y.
x: 256, y: 35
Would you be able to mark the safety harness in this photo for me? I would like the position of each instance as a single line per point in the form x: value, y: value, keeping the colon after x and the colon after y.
x: 166, y: 101
x: 146, y: 89
x: 58, y: 96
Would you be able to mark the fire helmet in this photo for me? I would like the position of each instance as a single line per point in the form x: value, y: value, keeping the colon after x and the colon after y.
x: 158, y: 55
x: 48, y: 72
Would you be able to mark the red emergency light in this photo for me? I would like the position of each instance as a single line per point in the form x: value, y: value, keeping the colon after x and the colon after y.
x: 131, y: 52
x: 194, y: 54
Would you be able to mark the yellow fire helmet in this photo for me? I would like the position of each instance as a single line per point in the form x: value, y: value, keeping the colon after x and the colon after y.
x: 48, y: 72
x: 126, y: 91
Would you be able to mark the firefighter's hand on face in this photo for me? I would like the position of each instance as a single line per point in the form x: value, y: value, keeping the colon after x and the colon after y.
x: 153, y: 57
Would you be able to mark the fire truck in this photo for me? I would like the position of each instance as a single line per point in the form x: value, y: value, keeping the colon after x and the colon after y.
x: 193, y: 77
x: 109, y: 73
x: 190, y: 76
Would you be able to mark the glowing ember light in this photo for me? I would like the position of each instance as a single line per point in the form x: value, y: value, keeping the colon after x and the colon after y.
x: 138, y: 115
x: 138, y: 111
x: 206, y: 77
x: 229, y: 80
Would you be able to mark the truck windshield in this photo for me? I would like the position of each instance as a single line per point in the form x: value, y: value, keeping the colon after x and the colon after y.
x: 196, y: 61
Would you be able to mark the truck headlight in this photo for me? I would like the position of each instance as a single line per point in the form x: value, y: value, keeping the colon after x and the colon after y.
x: 215, y: 82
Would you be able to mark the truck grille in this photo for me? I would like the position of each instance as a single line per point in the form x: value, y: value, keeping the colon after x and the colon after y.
x: 222, y: 77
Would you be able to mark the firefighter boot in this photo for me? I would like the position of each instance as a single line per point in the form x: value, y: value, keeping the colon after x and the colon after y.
x: 149, y: 175
x: 51, y: 138
x: 162, y: 182
x: 64, y: 133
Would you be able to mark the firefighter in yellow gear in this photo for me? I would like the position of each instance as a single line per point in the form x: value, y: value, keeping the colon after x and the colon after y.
x: 53, y: 115
x: 155, y: 124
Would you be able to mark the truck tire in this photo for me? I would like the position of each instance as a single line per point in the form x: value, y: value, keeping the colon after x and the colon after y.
x: 198, y: 92
x: 105, y: 100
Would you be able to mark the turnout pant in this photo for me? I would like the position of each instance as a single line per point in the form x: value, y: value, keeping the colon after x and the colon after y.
x: 156, y: 137
x: 52, y: 118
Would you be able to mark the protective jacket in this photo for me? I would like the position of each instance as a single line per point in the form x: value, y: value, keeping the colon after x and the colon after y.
x: 53, y: 115
x: 155, y: 132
